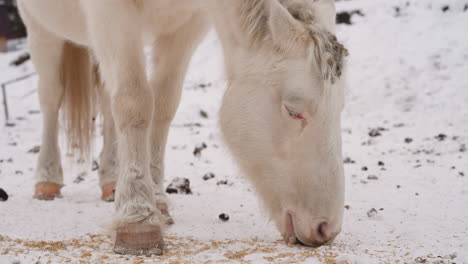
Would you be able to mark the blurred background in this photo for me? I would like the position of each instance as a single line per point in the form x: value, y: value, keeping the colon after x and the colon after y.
x: 12, y: 29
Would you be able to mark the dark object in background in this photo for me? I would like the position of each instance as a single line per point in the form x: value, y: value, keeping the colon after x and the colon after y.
x: 11, y: 25
x: 445, y: 8
x: 345, y: 16
x: 3, y: 195
x: 21, y: 59
x: 179, y: 185
x: 224, y: 217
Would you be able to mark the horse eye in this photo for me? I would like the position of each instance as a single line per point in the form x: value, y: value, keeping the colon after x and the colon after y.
x: 294, y: 114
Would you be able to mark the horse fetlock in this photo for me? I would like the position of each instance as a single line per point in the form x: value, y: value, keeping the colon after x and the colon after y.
x: 47, y: 191
x: 108, y: 169
x: 51, y: 173
x: 139, y: 239
x: 162, y: 205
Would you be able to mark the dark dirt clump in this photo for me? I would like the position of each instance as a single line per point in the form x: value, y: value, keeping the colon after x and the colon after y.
x: 179, y: 186
x: 3, y: 195
x: 224, y: 217
x: 208, y: 176
x: 198, y: 149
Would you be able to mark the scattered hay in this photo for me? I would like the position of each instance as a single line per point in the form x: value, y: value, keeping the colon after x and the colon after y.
x: 97, y: 249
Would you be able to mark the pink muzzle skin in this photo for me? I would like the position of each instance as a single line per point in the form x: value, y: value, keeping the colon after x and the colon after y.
x: 315, y: 237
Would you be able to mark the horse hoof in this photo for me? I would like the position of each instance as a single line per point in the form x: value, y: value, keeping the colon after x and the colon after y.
x: 162, y: 206
x: 47, y: 191
x: 139, y: 239
x: 108, y: 192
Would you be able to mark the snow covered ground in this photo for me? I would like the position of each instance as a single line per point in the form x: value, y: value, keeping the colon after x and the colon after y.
x: 407, y: 189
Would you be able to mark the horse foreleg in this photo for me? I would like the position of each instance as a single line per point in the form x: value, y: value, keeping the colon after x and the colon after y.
x: 119, y: 50
x: 46, y: 52
x: 108, y: 162
x: 171, y: 57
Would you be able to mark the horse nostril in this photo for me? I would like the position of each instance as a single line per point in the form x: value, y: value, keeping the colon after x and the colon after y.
x: 323, y: 232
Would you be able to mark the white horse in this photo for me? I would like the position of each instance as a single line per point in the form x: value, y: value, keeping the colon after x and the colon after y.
x: 280, y: 115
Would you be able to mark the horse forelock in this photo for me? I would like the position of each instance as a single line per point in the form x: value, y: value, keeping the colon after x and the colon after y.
x: 329, y: 53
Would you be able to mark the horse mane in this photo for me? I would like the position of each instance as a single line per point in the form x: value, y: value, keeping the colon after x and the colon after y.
x: 254, y: 19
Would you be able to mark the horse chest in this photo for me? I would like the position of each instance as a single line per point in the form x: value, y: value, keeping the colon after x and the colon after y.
x: 165, y: 17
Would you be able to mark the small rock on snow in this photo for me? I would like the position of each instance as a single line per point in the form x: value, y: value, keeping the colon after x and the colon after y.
x: 345, y: 16
x: 462, y: 148
x: 208, y: 176
x: 21, y: 59
x: 204, y: 85
x: 372, y: 212
x: 451, y: 256
x: 224, y: 217
x: 376, y: 132
x: 198, y: 149
x: 95, y: 166
x: 35, y: 149
x: 224, y: 182
x: 3, y: 195
x: 203, y: 114
x: 80, y: 177
x: 179, y: 185
x: 420, y: 260
x: 441, y: 137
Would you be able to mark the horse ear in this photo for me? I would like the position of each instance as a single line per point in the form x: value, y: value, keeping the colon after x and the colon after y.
x: 283, y: 27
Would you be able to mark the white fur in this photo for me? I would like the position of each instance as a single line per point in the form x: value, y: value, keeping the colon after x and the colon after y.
x: 275, y: 63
